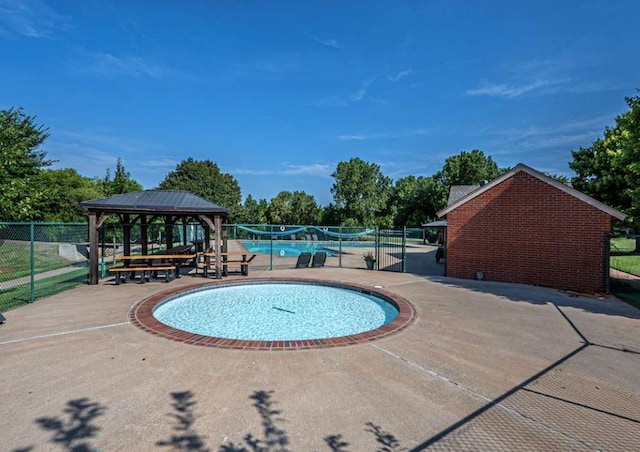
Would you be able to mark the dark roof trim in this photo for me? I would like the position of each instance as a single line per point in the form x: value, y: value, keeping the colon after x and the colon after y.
x: 435, y: 224
x: 544, y: 178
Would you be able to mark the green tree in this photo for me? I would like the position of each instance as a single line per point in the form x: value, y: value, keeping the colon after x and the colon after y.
x: 121, y: 183
x: 559, y: 177
x: 252, y: 211
x: 64, y: 190
x: 466, y: 168
x: 361, y: 193
x: 330, y: 215
x: 204, y: 178
x: 416, y: 200
x: 22, y: 161
x: 609, y: 170
x: 293, y: 208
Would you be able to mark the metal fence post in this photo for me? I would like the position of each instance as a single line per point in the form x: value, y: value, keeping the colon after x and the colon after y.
x: 404, y: 249
x: 377, y: 254
x: 271, y: 248
x: 340, y: 246
x: 607, y: 262
x: 32, y: 264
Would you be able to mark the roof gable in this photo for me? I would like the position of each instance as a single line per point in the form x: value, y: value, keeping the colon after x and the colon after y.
x: 538, y: 175
x: 460, y: 191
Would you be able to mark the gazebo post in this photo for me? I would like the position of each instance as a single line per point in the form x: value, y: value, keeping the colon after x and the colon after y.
x: 217, y: 220
x: 144, y: 238
x: 207, y: 237
x: 126, y: 234
x: 184, y: 230
x: 168, y: 231
x: 93, y: 248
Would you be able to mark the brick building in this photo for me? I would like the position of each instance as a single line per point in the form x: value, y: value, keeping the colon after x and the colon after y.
x: 526, y: 227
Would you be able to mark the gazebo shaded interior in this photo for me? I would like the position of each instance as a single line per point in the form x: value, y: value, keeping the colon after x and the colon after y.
x: 145, y: 207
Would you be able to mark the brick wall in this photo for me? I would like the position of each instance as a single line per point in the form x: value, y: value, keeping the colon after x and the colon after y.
x: 526, y: 231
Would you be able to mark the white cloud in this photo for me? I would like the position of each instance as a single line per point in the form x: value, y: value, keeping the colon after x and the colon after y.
x: 327, y: 42
x: 328, y: 102
x: 160, y: 163
x: 511, y: 91
x: 289, y: 169
x: 91, y: 152
x: 397, y: 134
x: 132, y: 66
x: 314, y: 169
x: 568, y: 135
x: 353, y: 137
x: 359, y: 94
x: 400, y: 75
x: 30, y: 18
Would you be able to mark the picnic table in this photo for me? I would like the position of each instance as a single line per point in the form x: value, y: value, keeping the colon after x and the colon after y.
x: 241, y: 258
x: 148, y: 264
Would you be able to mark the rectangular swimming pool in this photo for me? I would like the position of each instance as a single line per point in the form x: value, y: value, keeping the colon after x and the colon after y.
x: 291, y: 248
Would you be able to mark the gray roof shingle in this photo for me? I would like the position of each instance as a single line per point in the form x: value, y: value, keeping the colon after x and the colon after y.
x: 177, y: 201
x: 460, y: 191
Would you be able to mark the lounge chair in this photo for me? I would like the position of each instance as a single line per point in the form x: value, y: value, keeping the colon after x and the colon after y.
x: 307, y: 237
x: 303, y: 260
x: 319, y: 258
x: 314, y: 237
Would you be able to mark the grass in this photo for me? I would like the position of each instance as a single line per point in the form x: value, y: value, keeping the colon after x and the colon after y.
x: 19, y: 295
x: 623, y: 245
x: 16, y: 259
x: 628, y: 264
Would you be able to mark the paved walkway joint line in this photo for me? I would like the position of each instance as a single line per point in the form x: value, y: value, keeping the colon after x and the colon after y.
x: 435, y: 374
x: 63, y: 333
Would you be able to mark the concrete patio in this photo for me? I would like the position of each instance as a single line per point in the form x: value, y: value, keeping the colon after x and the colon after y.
x: 486, y: 366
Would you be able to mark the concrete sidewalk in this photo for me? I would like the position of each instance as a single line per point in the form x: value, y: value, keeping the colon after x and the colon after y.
x: 486, y: 366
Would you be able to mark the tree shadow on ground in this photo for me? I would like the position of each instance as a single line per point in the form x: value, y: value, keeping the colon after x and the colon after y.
x: 274, y: 438
x: 388, y: 442
x: 336, y: 443
x: 75, y: 432
x: 184, y: 438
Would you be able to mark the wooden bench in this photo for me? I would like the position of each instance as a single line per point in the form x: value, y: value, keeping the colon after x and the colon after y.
x: 242, y: 264
x: 206, y: 262
x: 145, y: 272
x: 209, y: 268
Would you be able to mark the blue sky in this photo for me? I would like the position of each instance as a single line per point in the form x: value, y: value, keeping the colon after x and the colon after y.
x: 277, y: 93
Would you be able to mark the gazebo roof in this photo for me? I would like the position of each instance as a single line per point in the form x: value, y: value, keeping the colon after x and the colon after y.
x: 172, y: 202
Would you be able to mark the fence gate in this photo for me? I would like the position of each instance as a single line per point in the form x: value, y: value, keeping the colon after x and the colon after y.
x: 391, y: 252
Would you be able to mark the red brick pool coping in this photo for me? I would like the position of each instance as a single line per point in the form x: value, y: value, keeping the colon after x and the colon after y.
x: 141, y: 315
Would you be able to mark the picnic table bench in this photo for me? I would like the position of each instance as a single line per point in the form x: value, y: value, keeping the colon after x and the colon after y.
x: 146, y: 272
x: 151, y: 264
x: 206, y: 261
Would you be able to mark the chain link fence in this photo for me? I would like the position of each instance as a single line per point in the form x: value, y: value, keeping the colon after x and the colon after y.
x: 40, y: 259
x: 624, y: 259
x: 278, y: 246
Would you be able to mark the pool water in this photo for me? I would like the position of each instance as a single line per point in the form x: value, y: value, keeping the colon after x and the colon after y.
x: 276, y: 311
x: 287, y: 248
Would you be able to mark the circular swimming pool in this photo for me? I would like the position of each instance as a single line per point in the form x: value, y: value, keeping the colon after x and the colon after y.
x: 274, y: 314
x: 276, y: 311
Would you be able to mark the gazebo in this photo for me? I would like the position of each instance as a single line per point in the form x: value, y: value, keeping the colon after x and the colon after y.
x: 144, y: 207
